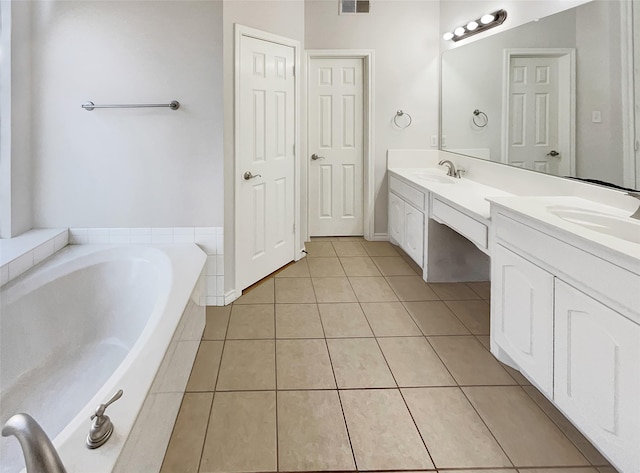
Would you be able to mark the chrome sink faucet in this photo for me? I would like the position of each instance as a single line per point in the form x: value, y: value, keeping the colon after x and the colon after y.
x: 451, y: 169
x: 40, y: 455
x: 635, y: 214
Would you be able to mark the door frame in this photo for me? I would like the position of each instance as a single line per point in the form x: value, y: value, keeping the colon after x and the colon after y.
x: 240, y: 31
x: 567, y: 58
x: 368, y: 102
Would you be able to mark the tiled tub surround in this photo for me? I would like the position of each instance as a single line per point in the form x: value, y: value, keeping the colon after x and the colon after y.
x: 347, y: 360
x: 19, y: 254
x: 209, y: 239
x: 117, y: 311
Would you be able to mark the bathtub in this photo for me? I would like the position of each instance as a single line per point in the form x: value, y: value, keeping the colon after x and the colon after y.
x: 89, y: 321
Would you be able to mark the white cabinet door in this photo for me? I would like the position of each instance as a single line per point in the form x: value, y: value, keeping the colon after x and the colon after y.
x: 396, y: 219
x: 413, y: 233
x: 522, y: 321
x: 597, y: 374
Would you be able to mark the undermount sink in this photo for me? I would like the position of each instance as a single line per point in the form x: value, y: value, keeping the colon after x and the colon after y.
x: 620, y: 227
x: 434, y: 176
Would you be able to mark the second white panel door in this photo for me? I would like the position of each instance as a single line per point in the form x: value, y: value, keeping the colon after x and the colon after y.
x: 336, y: 146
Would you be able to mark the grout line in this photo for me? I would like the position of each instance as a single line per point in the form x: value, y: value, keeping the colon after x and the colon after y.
x: 275, y: 370
x: 206, y: 432
x: 344, y: 417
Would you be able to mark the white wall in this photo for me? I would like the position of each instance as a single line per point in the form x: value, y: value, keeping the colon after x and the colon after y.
x: 404, y: 36
x: 127, y: 168
x: 16, y: 163
x: 284, y: 18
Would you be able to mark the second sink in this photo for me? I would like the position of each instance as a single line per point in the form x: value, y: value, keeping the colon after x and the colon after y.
x: 617, y: 226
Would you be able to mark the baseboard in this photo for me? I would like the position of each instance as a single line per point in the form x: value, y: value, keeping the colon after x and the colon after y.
x: 380, y: 237
x: 229, y: 297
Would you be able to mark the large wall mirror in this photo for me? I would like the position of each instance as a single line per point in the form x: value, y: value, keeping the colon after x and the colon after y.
x: 555, y: 95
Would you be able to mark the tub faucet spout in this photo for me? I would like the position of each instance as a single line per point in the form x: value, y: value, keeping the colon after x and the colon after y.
x: 40, y: 456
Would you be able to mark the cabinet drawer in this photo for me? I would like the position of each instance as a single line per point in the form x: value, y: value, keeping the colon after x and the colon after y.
x: 461, y: 223
x: 408, y: 193
x: 605, y: 281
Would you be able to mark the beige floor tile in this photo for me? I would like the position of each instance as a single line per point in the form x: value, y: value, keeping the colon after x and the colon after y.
x: 359, y: 266
x: 260, y: 294
x: 299, y: 269
x: 485, y: 340
x: 349, y: 248
x: 453, y: 291
x: 607, y: 469
x: 414, y: 363
x: 295, y: 291
x: 390, y: 319
x: 393, y: 266
x: 298, y: 321
x: 560, y: 470
x: 350, y: 238
x: 344, y: 320
x: 318, y: 443
x: 247, y: 365
x: 469, y: 362
x: 185, y: 447
x: 372, y: 289
x: 303, y: 364
x: 358, y: 363
x: 473, y: 314
x: 585, y: 447
x: 516, y: 375
x: 435, y: 318
x: 217, y: 321
x: 452, y: 430
x: 325, y: 268
x: 383, y: 435
x: 379, y: 248
x: 205, y: 367
x: 527, y: 435
x: 251, y: 321
x: 482, y: 288
x: 411, y: 288
x: 242, y: 433
x: 501, y: 470
x: 333, y: 290
x: 317, y: 249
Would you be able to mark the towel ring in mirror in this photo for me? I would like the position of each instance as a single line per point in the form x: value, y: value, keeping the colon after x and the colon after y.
x: 480, y: 119
x: 399, y: 114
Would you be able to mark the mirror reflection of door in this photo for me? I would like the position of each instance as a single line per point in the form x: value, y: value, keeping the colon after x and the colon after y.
x: 538, y: 127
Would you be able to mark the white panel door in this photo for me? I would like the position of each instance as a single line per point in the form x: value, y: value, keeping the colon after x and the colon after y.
x: 597, y: 374
x: 336, y: 145
x: 265, y: 170
x: 523, y: 312
x: 533, y: 133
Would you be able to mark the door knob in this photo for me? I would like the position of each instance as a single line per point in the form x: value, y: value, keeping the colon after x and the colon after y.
x: 315, y: 157
x: 247, y: 175
x: 553, y: 153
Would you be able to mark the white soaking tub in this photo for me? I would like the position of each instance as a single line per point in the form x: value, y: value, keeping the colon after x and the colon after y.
x: 89, y: 321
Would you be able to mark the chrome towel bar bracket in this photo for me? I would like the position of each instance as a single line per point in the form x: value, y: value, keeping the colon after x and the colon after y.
x: 174, y: 105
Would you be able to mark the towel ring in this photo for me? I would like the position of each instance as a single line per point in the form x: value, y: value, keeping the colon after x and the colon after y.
x: 400, y: 113
x: 482, y: 117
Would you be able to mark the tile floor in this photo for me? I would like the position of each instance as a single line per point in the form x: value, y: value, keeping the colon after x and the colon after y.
x: 347, y: 360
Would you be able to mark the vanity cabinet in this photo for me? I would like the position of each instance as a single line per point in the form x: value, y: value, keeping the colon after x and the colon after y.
x: 568, y: 317
x: 523, y: 304
x: 597, y: 373
x: 406, y: 219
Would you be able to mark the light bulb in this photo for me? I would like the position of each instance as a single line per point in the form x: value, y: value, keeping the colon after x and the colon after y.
x: 459, y: 31
x: 486, y: 19
x: 447, y: 36
x: 472, y: 25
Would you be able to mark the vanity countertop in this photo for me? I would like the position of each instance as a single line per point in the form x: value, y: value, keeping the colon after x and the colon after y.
x: 465, y: 194
x: 584, y: 222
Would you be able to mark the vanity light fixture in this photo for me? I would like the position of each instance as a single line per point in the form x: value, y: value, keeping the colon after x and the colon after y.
x: 488, y: 21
